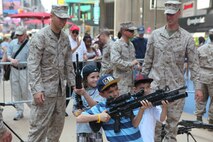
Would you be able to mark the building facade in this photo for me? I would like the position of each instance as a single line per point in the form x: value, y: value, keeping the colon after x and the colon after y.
x: 197, y: 15
x: 86, y: 14
x: 140, y: 12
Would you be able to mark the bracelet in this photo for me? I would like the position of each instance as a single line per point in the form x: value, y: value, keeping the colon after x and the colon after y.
x: 99, y: 118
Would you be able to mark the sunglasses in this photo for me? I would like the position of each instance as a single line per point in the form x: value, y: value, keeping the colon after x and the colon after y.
x: 75, y: 32
x: 131, y: 31
x: 170, y: 14
x: 20, y: 35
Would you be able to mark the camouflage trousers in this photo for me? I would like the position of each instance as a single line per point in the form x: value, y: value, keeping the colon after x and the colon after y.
x: 89, y: 137
x: 174, y: 112
x: 47, y: 121
x: 207, y: 90
x: 124, y: 86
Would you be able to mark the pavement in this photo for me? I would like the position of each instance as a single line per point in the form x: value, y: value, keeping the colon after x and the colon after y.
x: 21, y: 127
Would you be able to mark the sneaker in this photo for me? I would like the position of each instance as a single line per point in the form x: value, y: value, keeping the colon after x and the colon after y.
x: 200, y: 118
x: 18, y: 116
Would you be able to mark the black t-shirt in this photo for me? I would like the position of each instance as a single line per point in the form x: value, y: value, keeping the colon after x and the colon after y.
x: 140, y: 47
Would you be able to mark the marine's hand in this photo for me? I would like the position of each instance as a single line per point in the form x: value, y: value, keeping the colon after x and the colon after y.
x: 198, y: 95
x: 39, y: 98
x: 104, y: 116
x: 7, y: 137
x: 134, y: 62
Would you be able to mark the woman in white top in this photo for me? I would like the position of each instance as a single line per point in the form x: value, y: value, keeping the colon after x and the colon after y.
x: 93, y: 53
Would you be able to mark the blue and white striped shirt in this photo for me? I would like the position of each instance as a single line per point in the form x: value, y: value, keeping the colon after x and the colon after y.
x: 127, y: 131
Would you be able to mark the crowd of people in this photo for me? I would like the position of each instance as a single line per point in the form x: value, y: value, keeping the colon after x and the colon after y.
x: 50, y: 74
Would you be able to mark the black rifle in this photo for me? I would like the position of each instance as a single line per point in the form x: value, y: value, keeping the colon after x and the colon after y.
x: 181, y: 130
x: 186, y: 127
x: 124, y: 105
x: 195, y: 124
x: 78, y: 83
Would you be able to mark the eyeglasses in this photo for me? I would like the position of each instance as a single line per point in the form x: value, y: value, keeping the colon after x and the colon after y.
x: 131, y: 31
x: 75, y: 32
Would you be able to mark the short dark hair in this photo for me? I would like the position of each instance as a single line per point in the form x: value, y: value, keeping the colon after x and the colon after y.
x: 105, y: 32
x: 87, y: 36
x: 119, y: 34
x: 136, y: 84
x: 201, y: 40
x: 13, y: 36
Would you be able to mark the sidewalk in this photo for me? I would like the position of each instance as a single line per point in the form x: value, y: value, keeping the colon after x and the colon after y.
x: 21, y: 127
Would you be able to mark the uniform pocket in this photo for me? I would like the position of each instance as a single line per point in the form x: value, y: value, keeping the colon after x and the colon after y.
x: 179, y: 53
x: 203, y: 60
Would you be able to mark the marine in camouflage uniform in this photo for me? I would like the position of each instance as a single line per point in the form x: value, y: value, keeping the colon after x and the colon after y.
x: 205, y: 54
x: 123, y: 58
x: 167, y: 49
x: 106, y: 65
x: 49, y: 68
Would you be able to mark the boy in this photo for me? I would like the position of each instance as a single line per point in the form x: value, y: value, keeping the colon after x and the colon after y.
x: 107, y: 86
x: 150, y: 115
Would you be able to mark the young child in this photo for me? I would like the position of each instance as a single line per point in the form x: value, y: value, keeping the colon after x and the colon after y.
x: 90, y: 96
x: 107, y: 86
x: 150, y: 115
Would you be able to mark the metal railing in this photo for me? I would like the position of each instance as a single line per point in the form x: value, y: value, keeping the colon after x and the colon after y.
x: 5, y: 91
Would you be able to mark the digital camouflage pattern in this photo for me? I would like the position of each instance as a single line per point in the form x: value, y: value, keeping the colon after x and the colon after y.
x: 164, y: 62
x: 205, y: 54
x: 49, y: 68
x: 122, y: 54
x: 60, y: 11
x: 165, y: 58
x: 49, y: 63
x: 106, y: 65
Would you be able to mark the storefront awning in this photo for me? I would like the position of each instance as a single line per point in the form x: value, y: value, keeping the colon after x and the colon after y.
x: 195, y: 24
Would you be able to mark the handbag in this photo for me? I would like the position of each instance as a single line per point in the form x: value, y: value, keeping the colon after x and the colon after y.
x: 7, y: 68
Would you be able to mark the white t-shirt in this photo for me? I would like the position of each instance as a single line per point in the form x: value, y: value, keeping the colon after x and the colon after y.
x: 81, y: 50
x: 148, y: 123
